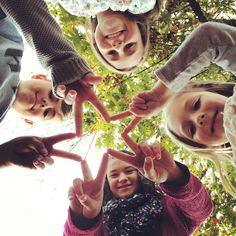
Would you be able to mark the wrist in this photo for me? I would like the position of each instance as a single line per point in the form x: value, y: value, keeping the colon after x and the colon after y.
x: 161, y: 90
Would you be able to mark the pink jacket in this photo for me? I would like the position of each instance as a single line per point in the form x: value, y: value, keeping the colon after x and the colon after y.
x: 185, y: 209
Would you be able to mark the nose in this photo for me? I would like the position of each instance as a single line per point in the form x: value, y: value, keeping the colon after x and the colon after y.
x: 116, y: 43
x: 44, y: 103
x: 122, y: 177
x: 201, y: 119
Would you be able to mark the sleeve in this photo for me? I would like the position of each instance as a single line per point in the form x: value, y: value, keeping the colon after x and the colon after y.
x: 71, y: 230
x: 209, y: 42
x: 191, y: 200
x: 55, y: 53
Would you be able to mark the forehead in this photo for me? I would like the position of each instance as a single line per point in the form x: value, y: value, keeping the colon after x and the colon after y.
x: 116, y: 165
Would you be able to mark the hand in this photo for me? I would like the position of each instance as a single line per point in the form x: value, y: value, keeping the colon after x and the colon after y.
x: 86, y: 196
x: 35, y: 152
x: 85, y: 92
x: 146, y: 103
x: 153, y: 161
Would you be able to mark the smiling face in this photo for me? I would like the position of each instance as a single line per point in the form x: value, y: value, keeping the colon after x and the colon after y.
x: 197, y: 116
x: 122, y: 178
x: 119, y: 40
x: 35, y: 101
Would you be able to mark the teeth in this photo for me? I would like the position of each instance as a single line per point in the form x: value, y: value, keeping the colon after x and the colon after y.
x: 114, y: 35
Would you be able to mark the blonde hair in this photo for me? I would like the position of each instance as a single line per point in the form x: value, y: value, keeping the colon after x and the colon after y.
x: 143, y: 21
x: 221, y: 156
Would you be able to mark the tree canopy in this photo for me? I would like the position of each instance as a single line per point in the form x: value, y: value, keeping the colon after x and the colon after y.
x: 175, y: 23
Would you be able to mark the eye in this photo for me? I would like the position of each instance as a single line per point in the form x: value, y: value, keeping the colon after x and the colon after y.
x: 112, y: 52
x: 114, y: 175
x: 129, y: 171
x: 50, y: 94
x: 46, y: 112
x: 197, y: 104
x: 129, y: 45
x: 192, y: 130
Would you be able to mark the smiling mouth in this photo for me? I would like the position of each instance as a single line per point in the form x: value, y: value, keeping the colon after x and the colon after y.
x: 214, y: 121
x: 114, y: 35
x: 124, y: 186
x: 35, y: 101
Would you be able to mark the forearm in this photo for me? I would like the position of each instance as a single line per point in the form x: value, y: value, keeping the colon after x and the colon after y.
x: 55, y: 53
x: 190, y: 197
x: 210, y: 42
x: 71, y: 228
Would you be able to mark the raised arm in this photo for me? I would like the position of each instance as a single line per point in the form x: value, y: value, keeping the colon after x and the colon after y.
x: 56, y: 54
x: 209, y: 43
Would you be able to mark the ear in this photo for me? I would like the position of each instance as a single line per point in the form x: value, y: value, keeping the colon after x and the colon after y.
x: 39, y: 76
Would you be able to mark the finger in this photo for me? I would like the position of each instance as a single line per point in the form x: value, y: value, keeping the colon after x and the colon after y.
x: 148, y: 167
x: 86, y: 171
x: 61, y: 90
x: 142, y: 107
x: 146, y: 149
x: 70, y: 97
x: 86, y: 201
x: 130, y: 143
x: 100, y: 107
x: 102, y: 170
x: 91, y: 79
x: 38, y: 165
x: 79, y: 117
x: 46, y: 160
x: 78, y: 187
x: 121, y: 115
x: 66, y: 155
x: 37, y: 145
x: 132, y: 124
x: 122, y: 156
x: 140, y: 112
x: 137, y: 99
x: 71, y: 195
x: 58, y: 138
x: 156, y: 149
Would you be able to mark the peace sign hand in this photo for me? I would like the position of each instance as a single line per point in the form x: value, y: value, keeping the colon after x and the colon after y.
x: 86, y: 196
x: 82, y: 91
x: 153, y: 161
x: 36, y: 152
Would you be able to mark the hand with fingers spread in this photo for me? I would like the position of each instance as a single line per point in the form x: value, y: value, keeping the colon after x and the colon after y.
x: 86, y: 196
x: 147, y: 103
x: 153, y: 161
x: 34, y: 152
x: 80, y: 92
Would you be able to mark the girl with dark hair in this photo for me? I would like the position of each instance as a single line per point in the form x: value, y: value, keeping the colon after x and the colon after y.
x: 131, y: 205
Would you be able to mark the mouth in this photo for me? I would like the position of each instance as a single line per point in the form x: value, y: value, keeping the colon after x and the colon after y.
x: 124, y: 186
x: 35, y: 101
x: 214, y: 121
x: 114, y: 35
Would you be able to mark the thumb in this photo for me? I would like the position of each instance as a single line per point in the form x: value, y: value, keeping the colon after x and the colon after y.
x: 91, y: 79
x: 149, y: 170
x: 86, y: 201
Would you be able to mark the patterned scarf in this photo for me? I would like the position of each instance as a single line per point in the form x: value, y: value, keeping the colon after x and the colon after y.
x: 134, y: 216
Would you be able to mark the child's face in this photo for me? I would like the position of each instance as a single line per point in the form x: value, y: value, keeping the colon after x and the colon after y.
x: 122, y: 178
x: 35, y: 101
x: 197, y: 116
x: 118, y: 40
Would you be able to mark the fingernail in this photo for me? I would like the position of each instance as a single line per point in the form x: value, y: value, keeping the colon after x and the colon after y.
x: 82, y: 198
x: 158, y: 157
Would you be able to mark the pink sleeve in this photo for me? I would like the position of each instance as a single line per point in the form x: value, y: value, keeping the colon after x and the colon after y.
x: 71, y: 230
x: 192, y: 200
